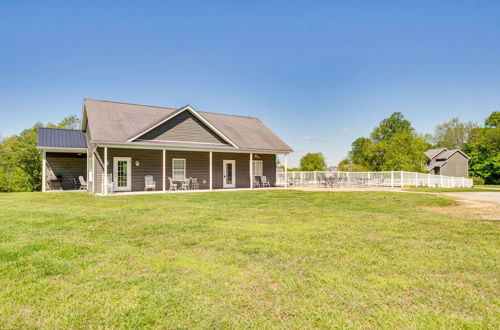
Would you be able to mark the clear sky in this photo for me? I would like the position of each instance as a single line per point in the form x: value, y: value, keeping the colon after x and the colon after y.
x: 320, y: 74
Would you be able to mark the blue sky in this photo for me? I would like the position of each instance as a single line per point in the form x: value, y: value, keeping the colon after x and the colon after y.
x: 320, y: 74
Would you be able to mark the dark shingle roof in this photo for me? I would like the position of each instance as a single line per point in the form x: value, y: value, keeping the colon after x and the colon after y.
x: 118, y: 122
x: 431, y: 153
x: 61, y: 138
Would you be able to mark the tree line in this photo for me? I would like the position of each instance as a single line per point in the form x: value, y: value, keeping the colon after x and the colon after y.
x: 395, y: 145
x: 21, y: 161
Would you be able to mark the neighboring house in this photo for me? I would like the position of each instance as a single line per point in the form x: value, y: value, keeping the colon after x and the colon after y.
x: 447, y: 162
x: 121, y: 143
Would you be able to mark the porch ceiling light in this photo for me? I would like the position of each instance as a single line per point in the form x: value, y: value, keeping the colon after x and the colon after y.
x: 137, y: 163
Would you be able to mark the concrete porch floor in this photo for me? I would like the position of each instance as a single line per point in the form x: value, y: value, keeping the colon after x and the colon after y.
x: 131, y: 193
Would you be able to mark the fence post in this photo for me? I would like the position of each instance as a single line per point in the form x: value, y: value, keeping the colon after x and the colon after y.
x: 369, y: 178
x: 402, y: 181
x: 315, y: 179
x: 392, y: 179
x: 452, y: 182
x: 347, y: 178
x: 286, y: 170
x: 416, y: 179
x: 441, y: 180
x: 429, y: 180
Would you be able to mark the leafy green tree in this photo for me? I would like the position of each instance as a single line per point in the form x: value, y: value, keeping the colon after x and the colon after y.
x: 453, y: 134
x: 361, y: 152
x: 20, y: 160
x: 493, y: 120
x: 483, y: 148
x: 393, y: 145
x: 404, y: 151
x: 347, y: 165
x: 390, y: 126
x: 313, y: 162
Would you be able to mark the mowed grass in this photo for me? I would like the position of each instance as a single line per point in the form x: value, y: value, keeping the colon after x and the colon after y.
x: 248, y: 259
x: 451, y: 190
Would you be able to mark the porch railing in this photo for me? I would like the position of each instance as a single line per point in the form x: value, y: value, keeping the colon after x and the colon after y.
x: 381, y: 179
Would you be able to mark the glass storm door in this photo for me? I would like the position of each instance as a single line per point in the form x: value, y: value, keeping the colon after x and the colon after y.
x: 122, y: 174
x: 229, y: 171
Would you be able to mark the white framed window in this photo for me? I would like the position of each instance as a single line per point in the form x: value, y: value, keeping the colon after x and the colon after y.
x: 178, y: 169
x: 258, y: 169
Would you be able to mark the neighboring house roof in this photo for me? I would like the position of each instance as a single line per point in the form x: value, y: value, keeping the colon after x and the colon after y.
x: 61, y: 138
x: 120, y: 122
x: 443, y: 153
x: 431, y: 153
x: 448, y: 153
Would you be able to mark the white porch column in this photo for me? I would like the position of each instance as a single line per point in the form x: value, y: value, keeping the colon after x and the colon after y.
x: 93, y: 171
x: 164, y: 171
x: 251, y: 171
x: 44, y: 170
x: 210, y: 169
x: 286, y: 170
x: 105, y: 180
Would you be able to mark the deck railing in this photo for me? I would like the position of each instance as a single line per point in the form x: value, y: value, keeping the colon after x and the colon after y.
x: 383, y: 179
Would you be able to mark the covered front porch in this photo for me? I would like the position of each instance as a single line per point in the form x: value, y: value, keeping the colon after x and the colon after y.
x: 115, y: 170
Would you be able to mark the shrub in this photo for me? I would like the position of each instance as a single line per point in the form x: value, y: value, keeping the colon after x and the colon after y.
x: 477, y: 181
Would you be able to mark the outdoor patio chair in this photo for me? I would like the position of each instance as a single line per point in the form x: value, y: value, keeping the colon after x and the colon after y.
x: 109, y: 187
x: 194, y: 183
x: 149, y: 183
x: 264, y: 181
x: 256, y: 181
x: 83, y: 183
x: 184, y: 184
x: 173, y: 186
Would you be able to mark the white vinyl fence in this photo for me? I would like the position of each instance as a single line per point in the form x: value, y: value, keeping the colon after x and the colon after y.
x: 382, y: 179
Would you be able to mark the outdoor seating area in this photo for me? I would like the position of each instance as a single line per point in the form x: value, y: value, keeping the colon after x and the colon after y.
x: 261, y: 181
x: 150, y: 184
x: 330, y: 182
x: 336, y: 179
x: 64, y: 182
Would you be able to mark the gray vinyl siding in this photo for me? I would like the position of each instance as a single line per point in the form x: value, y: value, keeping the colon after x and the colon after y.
x: 456, y: 165
x: 150, y: 163
x: 184, y: 127
x: 242, y: 169
x: 197, y: 165
x: 65, y: 166
x: 269, y: 167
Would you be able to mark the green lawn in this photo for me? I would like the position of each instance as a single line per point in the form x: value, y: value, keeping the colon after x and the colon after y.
x: 249, y: 259
x: 441, y: 190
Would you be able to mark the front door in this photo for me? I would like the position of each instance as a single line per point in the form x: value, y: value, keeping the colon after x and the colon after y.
x: 122, y: 174
x: 229, y: 173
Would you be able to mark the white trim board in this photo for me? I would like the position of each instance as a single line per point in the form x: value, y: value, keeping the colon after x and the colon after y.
x: 194, y: 113
x: 129, y: 145
x: 69, y: 150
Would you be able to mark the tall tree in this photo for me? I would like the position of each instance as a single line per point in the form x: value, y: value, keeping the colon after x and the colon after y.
x: 361, y: 152
x: 313, y: 162
x: 453, y: 134
x: 389, y: 126
x: 483, y: 148
x: 20, y: 161
x: 393, y: 145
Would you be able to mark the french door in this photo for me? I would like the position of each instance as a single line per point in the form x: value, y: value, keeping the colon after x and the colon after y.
x: 122, y: 174
x: 229, y: 173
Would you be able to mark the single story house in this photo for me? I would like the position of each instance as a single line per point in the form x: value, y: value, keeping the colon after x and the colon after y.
x: 442, y: 161
x: 124, y: 147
